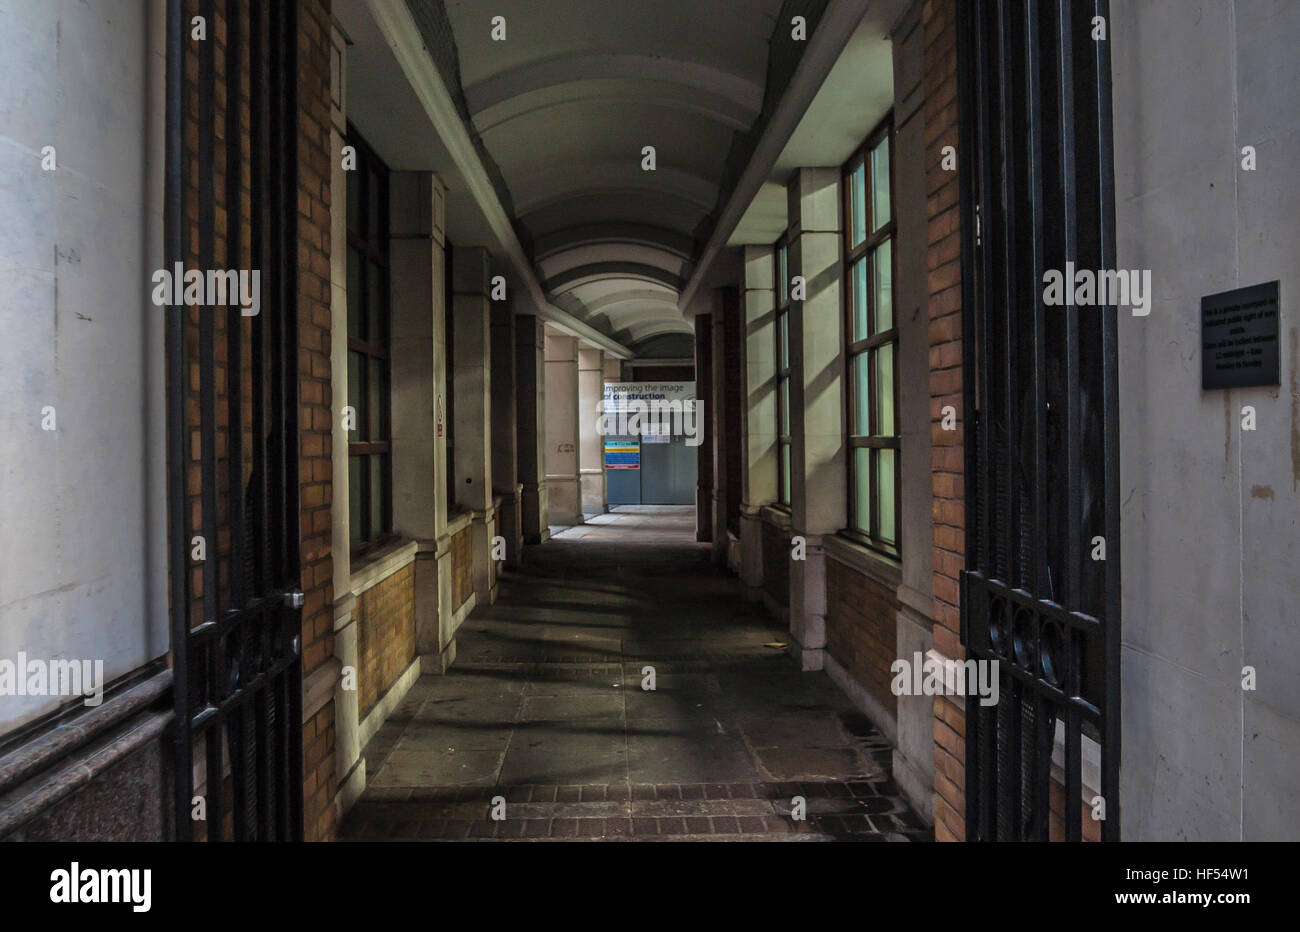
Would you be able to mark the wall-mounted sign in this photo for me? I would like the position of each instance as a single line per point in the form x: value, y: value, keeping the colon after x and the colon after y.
x: 1239, y: 337
x: 622, y: 454
x: 657, y: 412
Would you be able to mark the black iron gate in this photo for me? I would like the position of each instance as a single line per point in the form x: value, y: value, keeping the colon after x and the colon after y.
x: 232, y: 421
x: 1040, y: 595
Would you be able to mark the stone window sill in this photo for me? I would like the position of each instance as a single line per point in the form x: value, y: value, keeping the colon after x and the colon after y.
x: 864, y: 560
x: 776, y: 516
x: 380, y: 565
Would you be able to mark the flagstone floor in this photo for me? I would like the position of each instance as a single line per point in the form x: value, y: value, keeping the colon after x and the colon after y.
x: 548, y: 711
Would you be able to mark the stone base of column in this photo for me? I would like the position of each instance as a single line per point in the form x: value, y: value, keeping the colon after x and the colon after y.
x: 534, y: 512
x: 510, y: 524
x: 351, y: 786
x: 808, y: 605
x: 441, y: 662
x: 703, y: 513
x: 751, y: 554
x: 446, y: 610
x: 482, y: 530
x: 347, y: 713
x: 565, y: 500
x: 428, y: 627
x: 719, y: 506
x: 593, y: 492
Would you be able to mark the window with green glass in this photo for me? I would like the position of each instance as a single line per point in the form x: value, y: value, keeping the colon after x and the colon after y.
x: 781, y: 258
x: 871, y: 334
x: 370, y: 475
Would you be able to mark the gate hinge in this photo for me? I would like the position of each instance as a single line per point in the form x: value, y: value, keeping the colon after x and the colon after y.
x: 294, y: 599
x: 977, y: 224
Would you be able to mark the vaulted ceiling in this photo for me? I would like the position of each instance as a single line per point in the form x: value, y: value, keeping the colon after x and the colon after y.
x: 565, y: 107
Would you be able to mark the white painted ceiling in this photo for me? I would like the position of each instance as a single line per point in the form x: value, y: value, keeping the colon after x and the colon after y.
x: 565, y: 106
x: 852, y: 100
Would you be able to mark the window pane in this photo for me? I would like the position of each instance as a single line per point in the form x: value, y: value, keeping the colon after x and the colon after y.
x: 355, y: 284
x: 372, y: 200
x: 885, y: 491
x: 355, y: 530
x: 376, y: 307
x: 785, y: 341
x: 376, y: 495
x: 356, y: 389
x: 858, y: 204
x: 861, y: 396
x: 883, y: 276
x: 880, y: 184
x: 785, y: 394
x: 862, y: 489
x: 354, y: 201
x: 375, y: 427
x: 859, y: 300
x: 785, y: 473
x: 885, y: 390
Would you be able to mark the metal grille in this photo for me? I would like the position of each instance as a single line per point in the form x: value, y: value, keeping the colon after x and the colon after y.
x: 236, y: 641
x: 1042, y: 417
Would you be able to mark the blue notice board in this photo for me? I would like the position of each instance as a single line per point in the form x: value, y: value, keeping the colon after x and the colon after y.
x: 622, y: 454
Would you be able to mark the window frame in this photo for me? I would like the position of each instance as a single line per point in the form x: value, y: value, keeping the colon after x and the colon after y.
x: 373, y: 248
x: 864, y: 252
x: 784, y: 365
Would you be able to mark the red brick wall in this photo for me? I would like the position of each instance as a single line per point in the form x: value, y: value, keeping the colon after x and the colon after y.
x: 385, y: 617
x: 944, y: 283
x: 862, y: 629
x: 315, y: 466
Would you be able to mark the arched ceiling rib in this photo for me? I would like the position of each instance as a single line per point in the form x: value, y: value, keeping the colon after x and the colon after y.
x: 565, y: 107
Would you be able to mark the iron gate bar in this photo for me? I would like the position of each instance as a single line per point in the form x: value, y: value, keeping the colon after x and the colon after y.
x: 1036, y: 452
x: 247, y: 695
x: 1112, y: 727
x: 257, y: 26
x: 240, y: 750
x: 1044, y: 736
x: 178, y: 581
x: 288, y: 276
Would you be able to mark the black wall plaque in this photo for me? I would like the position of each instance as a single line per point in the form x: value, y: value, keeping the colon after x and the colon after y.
x: 1239, y: 337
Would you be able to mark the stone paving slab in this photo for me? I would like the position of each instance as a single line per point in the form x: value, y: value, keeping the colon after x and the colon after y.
x: 545, y: 708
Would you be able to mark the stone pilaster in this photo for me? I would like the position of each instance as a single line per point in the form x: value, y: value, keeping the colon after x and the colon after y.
x: 591, y: 459
x: 816, y: 406
x: 758, y: 465
x: 530, y: 426
x: 472, y: 373
x: 562, y: 476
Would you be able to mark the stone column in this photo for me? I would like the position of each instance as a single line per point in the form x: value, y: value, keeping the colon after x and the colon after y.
x: 591, y: 453
x: 758, y: 466
x: 530, y: 398
x: 505, y: 436
x: 817, y: 467
x: 349, y: 763
x: 418, y: 276
x: 472, y: 372
x: 704, y: 403
x: 718, y: 392
x: 562, y: 476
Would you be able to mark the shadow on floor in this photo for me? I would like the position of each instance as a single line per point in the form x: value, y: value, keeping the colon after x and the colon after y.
x: 549, y: 711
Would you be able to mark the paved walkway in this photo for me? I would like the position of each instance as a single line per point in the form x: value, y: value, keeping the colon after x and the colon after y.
x: 545, y: 707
